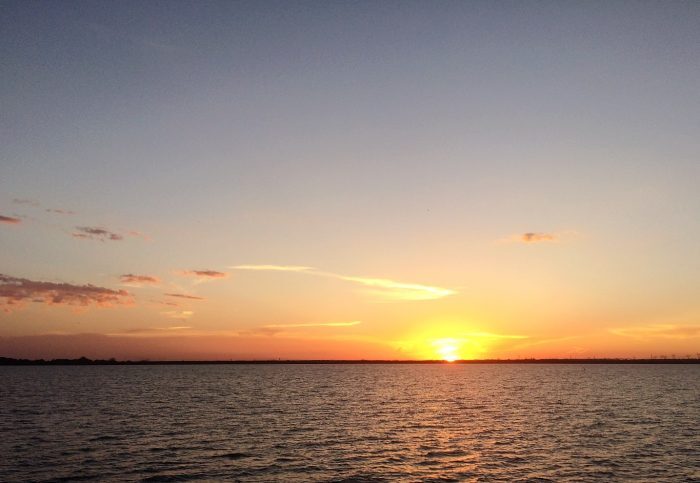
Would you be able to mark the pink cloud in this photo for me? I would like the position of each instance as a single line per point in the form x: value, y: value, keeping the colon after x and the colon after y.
x: 10, y: 220
x: 134, y: 279
x: 205, y: 274
x: 15, y: 291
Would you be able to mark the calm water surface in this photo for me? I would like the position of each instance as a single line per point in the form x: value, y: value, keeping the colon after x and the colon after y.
x: 351, y: 423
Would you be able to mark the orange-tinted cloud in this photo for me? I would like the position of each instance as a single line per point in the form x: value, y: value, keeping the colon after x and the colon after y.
x: 15, y: 291
x: 178, y: 314
x: 9, y: 220
x: 138, y: 280
x: 203, y: 274
x: 184, y: 296
x: 654, y: 331
x: 319, y: 324
x: 96, y: 233
x: 532, y: 237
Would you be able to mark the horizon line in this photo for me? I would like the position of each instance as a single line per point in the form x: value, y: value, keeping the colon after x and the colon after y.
x: 555, y: 360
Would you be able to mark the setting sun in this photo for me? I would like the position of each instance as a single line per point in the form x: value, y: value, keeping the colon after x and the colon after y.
x: 447, y: 349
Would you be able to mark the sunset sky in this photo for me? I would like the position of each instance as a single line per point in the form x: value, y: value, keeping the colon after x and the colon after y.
x: 349, y: 180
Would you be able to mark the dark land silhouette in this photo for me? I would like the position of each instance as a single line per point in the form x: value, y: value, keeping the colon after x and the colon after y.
x: 84, y: 361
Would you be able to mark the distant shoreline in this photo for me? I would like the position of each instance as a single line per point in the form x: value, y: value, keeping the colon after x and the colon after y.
x: 6, y: 361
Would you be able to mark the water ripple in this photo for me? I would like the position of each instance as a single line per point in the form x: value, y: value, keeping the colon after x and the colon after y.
x: 359, y: 423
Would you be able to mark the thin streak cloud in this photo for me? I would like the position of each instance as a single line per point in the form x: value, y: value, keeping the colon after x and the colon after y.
x: 184, y: 296
x: 326, y: 324
x: 380, y: 287
x: 178, y: 314
x: 666, y: 331
x: 277, y: 268
x: 59, y: 211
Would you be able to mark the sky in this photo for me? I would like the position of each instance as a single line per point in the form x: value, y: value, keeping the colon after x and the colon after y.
x: 349, y: 180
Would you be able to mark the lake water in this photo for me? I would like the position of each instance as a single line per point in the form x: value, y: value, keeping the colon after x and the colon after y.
x: 351, y: 423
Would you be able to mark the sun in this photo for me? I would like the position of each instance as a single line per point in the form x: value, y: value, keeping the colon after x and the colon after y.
x: 447, y: 349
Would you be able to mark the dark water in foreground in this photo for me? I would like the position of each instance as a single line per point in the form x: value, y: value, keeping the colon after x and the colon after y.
x: 351, y: 423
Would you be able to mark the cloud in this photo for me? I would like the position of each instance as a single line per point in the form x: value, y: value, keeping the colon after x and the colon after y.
x: 491, y: 335
x: 138, y: 280
x: 532, y: 237
x: 322, y: 324
x: 278, y: 268
x: 149, y: 331
x: 274, y: 329
x: 165, y: 302
x: 399, y: 290
x: 138, y: 234
x: 15, y: 291
x: 60, y: 211
x: 665, y: 331
x: 25, y: 201
x: 96, y: 233
x: 202, y: 274
x: 184, y: 296
x: 381, y: 287
x: 9, y: 220
x: 178, y: 314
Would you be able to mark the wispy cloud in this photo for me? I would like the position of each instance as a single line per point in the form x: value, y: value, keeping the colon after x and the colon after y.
x: 492, y: 336
x: 274, y: 329
x: 321, y: 324
x: 138, y: 234
x: 380, y: 287
x: 59, y: 211
x: 184, y: 296
x: 10, y: 220
x: 202, y: 274
x: 276, y: 268
x: 15, y: 291
x: 96, y: 233
x: 178, y: 314
x: 664, y: 331
x: 134, y: 280
x: 25, y: 201
x: 532, y: 237
x: 165, y: 302
x: 150, y: 331
x: 391, y: 289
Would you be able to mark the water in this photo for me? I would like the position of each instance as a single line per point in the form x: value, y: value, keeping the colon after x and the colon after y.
x: 351, y: 423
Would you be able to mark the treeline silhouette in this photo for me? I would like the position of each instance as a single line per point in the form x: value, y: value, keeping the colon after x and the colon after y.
x: 84, y: 361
